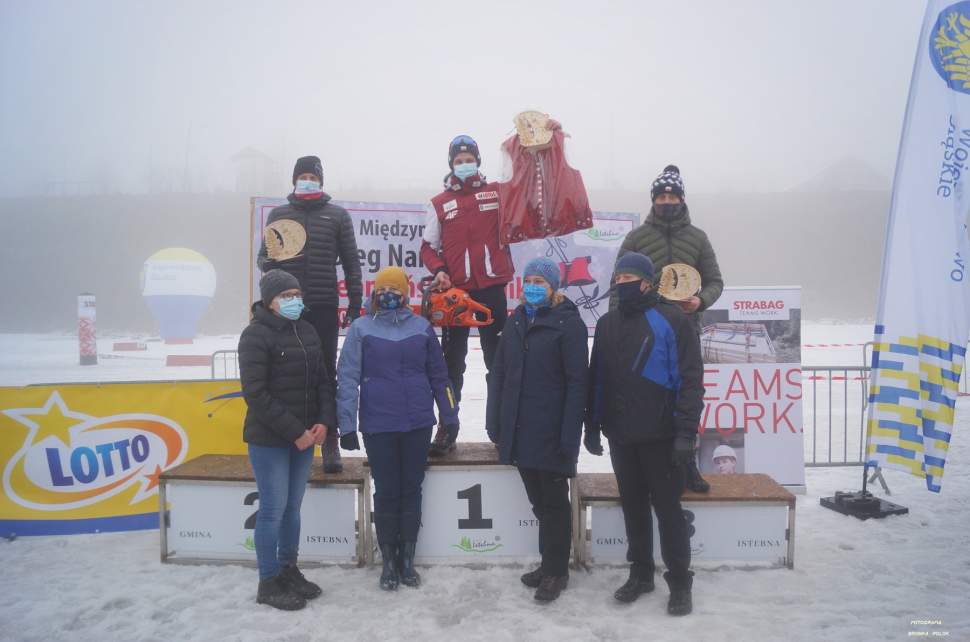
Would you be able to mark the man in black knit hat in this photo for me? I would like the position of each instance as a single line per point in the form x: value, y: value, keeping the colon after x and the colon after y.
x: 668, y: 236
x: 329, y: 239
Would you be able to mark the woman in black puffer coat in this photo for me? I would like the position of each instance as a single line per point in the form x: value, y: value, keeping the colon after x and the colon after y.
x: 290, y: 401
x: 536, y: 404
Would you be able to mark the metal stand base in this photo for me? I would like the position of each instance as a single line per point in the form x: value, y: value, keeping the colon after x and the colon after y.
x: 862, y: 504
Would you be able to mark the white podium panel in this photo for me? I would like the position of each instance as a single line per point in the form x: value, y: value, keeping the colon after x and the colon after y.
x: 478, y: 514
x: 719, y: 532
x: 216, y: 521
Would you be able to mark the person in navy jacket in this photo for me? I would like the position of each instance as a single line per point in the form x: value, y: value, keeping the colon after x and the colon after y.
x: 390, y: 375
x: 646, y: 397
x: 535, y: 410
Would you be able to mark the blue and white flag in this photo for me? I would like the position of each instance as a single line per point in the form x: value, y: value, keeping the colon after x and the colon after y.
x: 923, y: 319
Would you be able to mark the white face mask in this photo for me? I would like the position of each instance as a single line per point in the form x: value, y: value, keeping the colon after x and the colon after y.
x: 308, y: 187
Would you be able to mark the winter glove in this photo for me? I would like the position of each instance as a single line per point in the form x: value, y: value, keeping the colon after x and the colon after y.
x: 592, y: 441
x: 683, y: 452
x: 353, y: 312
x: 350, y: 441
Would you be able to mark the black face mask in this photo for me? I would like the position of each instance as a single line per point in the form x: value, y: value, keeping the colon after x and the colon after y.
x: 668, y: 211
x: 628, y: 292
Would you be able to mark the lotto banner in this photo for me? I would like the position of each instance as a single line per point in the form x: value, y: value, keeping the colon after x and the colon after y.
x: 83, y: 458
x: 752, y: 418
x: 390, y: 234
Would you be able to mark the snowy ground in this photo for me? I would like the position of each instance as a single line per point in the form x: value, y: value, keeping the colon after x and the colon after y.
x: 852, y: 580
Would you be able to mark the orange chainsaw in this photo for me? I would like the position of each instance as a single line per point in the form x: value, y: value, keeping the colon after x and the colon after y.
x: 451, y: 307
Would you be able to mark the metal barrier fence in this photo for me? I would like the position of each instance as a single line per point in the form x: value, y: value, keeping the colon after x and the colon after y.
x: 834, y: 400
x: 225, y: 364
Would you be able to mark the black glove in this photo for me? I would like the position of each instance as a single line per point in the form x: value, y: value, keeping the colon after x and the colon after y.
x: 353, y: 312
x: 683, y: 450
x: 592, y: 441
x: 350, y: 441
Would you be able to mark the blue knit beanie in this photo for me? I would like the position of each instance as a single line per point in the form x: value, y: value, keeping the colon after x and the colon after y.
x: 546, y: 268
x: 635, y: 264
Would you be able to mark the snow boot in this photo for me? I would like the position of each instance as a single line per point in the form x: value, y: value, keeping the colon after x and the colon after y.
x: 276, y: 592
x: 639, y: 582
x: 405, y: 562
x: 695, y: 482
x: 389, y: 576
x: 299, y: 584
x: 532, y: 579
x: 550, y: 587
x: 442, y: 444
x: 331, y: 453
x: 680, y: 602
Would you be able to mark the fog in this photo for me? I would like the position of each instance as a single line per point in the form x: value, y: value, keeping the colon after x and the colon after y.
x: 124, y: 105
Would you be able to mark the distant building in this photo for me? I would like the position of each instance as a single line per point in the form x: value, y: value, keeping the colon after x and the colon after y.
x: 256, y: 173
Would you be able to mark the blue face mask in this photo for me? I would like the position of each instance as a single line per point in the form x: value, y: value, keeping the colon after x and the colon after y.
x: 389, y: 300
x: 291, y: 307
x: 308, y: 187
x: 535, y: 294
x: 466, y: 170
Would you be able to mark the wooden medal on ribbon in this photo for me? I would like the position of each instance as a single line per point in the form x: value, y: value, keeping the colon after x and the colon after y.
x: 679, y: 282
x: 285, y: 239
x: 531, y: 128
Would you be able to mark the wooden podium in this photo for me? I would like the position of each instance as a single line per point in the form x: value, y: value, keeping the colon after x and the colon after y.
x: 207, y: 512
x: 743, y: 519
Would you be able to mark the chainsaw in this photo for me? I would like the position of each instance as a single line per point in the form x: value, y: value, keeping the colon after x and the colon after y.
x: 451, y: 307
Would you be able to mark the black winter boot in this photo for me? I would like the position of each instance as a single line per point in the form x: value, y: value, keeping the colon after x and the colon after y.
x: 550, y: 587
x: 299, y: 584
x: 408, y: 575
x: 695, y: 482
x: 442, y: 444
x: 639, y: 582
x: 331, y: 453
x: 389, y: 576
x: 532, y: 579
x: 680, y: 602
x: 276, y: 592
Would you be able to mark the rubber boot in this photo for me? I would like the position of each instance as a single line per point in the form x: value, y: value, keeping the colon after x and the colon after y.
x: 276, y: 592
x: 442, y: 444
x: 389, y: 575
x: 408, y: 575
x: 639, y: 582
x: 331, y: 453
x: 680, y: 602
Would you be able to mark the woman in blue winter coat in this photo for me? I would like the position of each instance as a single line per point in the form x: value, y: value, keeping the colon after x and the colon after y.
x: 536, y: 404
x: 390, y: 374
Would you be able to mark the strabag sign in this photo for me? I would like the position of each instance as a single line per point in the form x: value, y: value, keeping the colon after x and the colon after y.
x: 744, y: 304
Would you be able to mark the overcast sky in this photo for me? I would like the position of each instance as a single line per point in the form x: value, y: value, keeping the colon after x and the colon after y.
x: 743, y: 95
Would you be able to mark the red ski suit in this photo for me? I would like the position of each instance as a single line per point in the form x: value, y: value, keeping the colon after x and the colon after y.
x: 461, y: 235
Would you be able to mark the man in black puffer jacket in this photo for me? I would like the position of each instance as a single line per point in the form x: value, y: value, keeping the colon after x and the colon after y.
x: 646, y: 397
x: 329, y: 239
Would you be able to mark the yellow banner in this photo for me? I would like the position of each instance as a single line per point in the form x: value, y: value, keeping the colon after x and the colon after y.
x: 87, y: 457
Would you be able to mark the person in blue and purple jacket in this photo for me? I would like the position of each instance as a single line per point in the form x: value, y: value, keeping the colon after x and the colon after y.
x: 390, y: 375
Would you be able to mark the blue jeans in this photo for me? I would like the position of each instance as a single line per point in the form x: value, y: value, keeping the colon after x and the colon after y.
x: 281, y: 478
x: 397, y: 461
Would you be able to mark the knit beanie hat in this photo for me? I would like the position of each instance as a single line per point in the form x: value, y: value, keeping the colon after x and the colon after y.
x: 274, y: 282
x: 394, y: 277
x: 308, y: 165
x: 463, y: 143
x: 546, y: 268
x: 635, y: 264
x: 669, y: 182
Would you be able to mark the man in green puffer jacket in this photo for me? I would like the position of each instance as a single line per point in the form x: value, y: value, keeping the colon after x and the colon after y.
x: 667, y: 236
